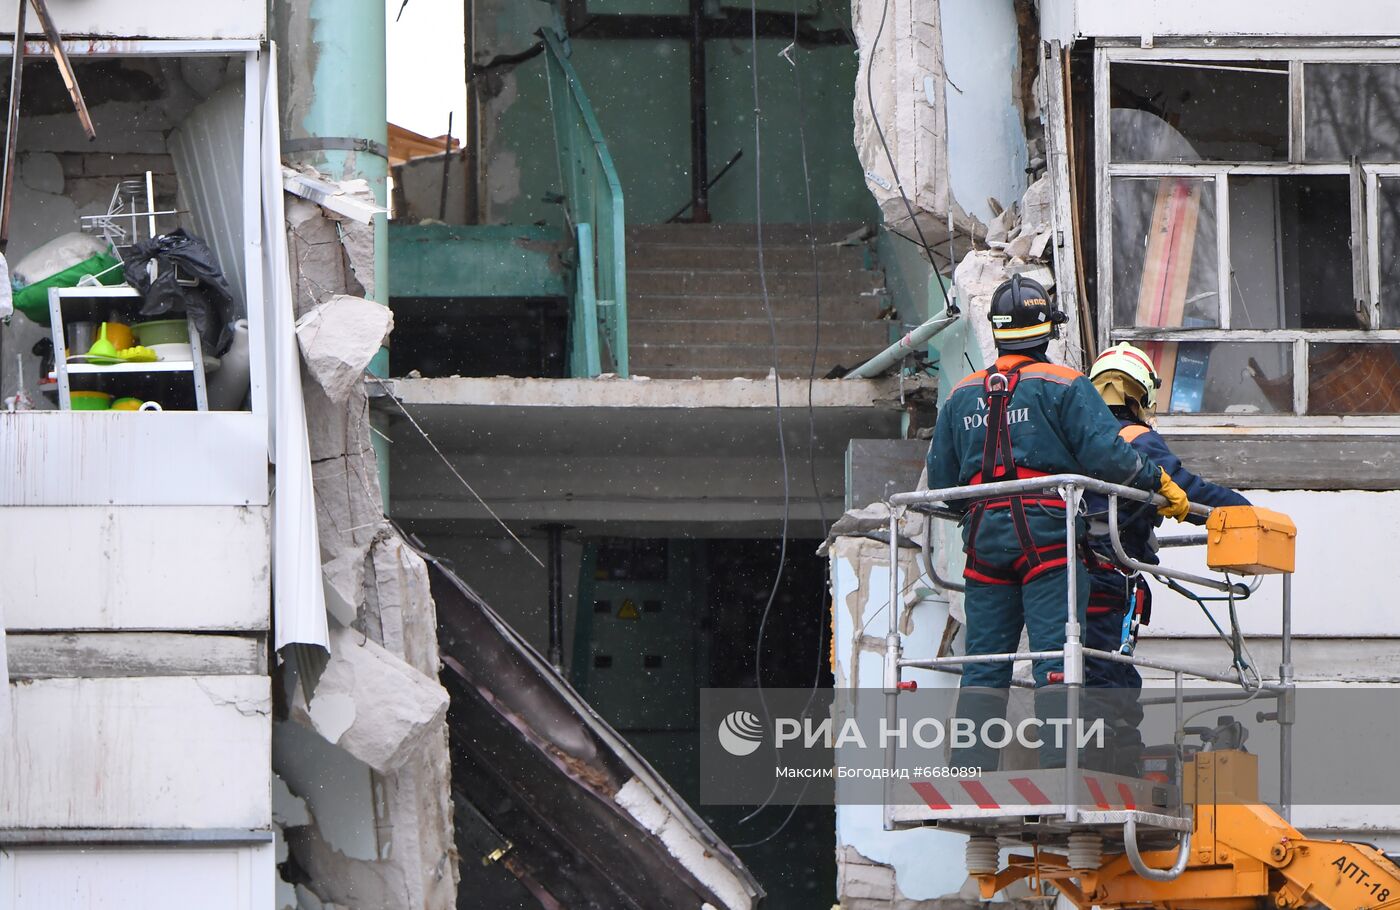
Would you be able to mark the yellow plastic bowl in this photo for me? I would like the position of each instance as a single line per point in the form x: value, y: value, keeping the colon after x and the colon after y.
x: 127, y: 404
x: 91, y: 401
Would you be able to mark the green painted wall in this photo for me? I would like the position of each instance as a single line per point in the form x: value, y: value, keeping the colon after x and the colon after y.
x: 488, y: 260
x: 640, y: 93
x: 828, y: 77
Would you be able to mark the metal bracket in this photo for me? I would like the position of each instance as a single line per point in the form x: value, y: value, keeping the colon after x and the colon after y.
x: 336, y: 144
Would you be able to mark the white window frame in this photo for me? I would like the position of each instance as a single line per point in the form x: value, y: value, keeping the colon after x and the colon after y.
x: 1106, y: 170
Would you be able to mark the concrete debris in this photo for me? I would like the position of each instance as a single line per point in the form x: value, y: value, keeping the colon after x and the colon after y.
x: 404, y: 603
x: 358, y: 241
x: 1023, y: 231
x: 372, y: 704
x: 338, y: 339
x: 350, y: 198
x: 346, y: 884
x: 344, y: 580
x: 307, y: 900
x: 870, y: 520
x: 999, y: 231
x: 1037, y: 207
x: 378, y: 699
x: 978, y: 275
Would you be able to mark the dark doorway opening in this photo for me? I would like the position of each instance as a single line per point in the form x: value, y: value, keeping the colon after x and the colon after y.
x: 660, y: 619
x: 443, y: 336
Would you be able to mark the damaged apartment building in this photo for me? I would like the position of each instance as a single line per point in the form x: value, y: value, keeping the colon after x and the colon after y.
x: 379, y: 504
x: 229, y: 685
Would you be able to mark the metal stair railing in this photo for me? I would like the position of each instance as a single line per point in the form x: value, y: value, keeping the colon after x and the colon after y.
x: 593, y: 212
x: 1071, y: 487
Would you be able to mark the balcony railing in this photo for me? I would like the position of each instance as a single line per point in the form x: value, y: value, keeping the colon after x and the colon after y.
x: 594, y: 215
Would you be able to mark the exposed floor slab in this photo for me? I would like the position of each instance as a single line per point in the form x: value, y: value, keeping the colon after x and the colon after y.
x: 653, y: 455
x: 640, y: 392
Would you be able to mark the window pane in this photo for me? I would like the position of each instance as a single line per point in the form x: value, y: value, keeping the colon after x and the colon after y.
x: 1351, y: 109
x: 1224, y: 377
x: 1353, y: 379
x: 1290, y: 253
x: 1164, y: 256
x: 1173, y: 111
x: 1388, y: 246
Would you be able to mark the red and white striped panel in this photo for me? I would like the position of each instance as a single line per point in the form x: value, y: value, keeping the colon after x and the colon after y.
x: 1028, y: 793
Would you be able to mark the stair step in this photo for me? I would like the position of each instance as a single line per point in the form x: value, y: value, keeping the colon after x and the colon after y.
x: 696, y: 306
x: 775, y: 234
x: 873, y: 335
x: 746, y: 281
x: 792, y: 258
x: 642, y: 307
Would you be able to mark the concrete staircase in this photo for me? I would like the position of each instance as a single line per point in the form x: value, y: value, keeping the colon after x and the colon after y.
x: 695, y: 306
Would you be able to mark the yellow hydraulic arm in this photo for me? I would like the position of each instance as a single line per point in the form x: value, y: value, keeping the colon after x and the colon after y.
x: 1242, y: 856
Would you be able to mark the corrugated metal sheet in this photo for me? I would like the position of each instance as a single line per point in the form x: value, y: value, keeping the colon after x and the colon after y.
x: 208, y: 152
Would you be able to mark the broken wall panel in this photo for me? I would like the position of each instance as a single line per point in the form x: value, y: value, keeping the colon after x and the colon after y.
x: 177, y: 568
x: 939, y: 88
x: 901, y: 131
x: 173, y: 752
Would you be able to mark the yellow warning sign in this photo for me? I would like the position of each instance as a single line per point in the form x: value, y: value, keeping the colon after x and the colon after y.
x: 629, y: 610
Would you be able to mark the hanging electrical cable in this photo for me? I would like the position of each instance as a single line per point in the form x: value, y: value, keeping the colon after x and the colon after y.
x: 777, y: 381
x: 789, y: 54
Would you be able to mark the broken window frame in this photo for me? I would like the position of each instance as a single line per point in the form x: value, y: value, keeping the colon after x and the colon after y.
x: 1364, y: 176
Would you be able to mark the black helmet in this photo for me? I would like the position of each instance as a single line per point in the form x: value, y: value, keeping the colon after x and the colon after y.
x: 1022, y: 315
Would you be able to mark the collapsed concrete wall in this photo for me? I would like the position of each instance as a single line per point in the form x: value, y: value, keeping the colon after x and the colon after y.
x: 901, y: 117
x: 377, y: 701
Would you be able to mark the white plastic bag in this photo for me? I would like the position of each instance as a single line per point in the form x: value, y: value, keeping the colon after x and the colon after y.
x: 62, y: 252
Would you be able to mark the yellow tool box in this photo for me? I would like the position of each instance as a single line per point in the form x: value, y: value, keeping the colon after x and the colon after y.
x: 1250, y: 540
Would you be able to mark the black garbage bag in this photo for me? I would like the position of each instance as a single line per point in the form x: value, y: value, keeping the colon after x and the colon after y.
x: 181, y: 258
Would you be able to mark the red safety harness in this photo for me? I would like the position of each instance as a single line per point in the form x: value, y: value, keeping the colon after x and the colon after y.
x: 999, y: 463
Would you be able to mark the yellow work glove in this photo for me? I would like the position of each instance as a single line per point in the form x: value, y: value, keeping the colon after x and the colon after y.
x: 1176, y: 505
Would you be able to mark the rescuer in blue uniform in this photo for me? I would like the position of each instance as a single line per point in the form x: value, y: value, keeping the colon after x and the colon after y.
x: 1024, y: 418
x: 1126, y: 379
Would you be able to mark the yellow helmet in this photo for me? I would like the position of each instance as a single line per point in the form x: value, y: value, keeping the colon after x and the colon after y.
x: 1135, y: 364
